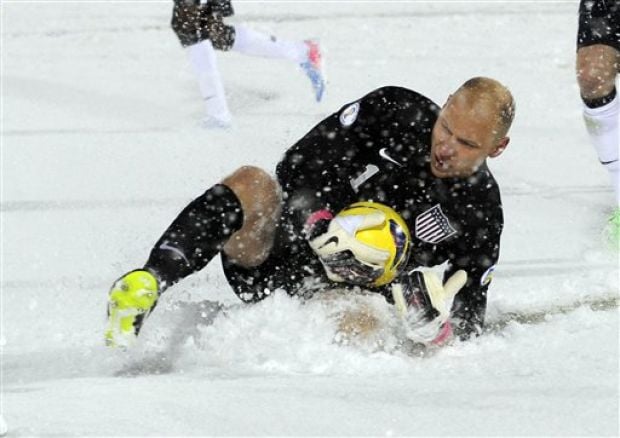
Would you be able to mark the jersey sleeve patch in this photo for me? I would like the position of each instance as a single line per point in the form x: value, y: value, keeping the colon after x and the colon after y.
x: 349, y: 114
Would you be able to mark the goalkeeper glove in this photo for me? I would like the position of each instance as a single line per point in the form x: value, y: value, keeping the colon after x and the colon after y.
x: 425, y: 304
x: 345, y: 258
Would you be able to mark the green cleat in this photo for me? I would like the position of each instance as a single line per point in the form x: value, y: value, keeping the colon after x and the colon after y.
x: 131, y: 299
x: 613, y: 229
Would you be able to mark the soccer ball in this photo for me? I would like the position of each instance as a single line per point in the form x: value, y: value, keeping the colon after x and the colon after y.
x: 392, y: 236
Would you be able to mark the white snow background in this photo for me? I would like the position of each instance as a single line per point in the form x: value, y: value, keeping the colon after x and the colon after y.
x: 101, y: 148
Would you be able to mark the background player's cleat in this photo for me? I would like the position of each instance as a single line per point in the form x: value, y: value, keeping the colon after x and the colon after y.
x: 613, y: 229
x: 313, y: 67
x: 211, y: 122
x: 131, y: 299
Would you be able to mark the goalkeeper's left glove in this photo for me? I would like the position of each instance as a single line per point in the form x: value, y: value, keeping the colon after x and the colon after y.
x: 344, y: 257
x: 425, y: 304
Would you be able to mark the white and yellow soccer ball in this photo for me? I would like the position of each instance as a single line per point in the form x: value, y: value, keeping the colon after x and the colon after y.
x: 366, y: 243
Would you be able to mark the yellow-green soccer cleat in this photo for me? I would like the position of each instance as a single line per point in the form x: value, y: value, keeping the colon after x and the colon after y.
x: 613, y: 229
x: 131, y: 299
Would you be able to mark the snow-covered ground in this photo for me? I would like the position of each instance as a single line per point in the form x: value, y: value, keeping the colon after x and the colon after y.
x: 101, y: 148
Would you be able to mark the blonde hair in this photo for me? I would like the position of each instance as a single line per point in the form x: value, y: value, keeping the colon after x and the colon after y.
x: 497, y: 96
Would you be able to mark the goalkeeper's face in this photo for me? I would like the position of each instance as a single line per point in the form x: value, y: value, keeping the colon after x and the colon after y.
x: 464, y: 136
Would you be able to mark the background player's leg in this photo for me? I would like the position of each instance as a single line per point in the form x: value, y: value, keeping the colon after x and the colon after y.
x: 306, y: 54
x: 251, y: 42
x: 200, y: 33
x: 204, y: 63
x: 597, y: 68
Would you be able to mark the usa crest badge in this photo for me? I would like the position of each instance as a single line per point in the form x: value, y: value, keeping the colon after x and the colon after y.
x: 433, y: 226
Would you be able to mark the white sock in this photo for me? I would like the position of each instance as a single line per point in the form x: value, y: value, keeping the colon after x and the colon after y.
x: 602, y: 124
x: 204, y: 63
x: 250, y: 42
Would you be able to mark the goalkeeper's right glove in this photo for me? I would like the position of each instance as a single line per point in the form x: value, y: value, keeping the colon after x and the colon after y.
x: 425, y: 304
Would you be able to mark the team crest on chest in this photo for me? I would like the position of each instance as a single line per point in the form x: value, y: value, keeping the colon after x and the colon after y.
x: 349, y: 114
x: 433, y: 226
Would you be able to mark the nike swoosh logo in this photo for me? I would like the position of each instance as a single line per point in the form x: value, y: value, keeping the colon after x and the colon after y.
x: 383, y: 154
x: 605, y: 163
x: 333, y: 239
x: 177, y: 251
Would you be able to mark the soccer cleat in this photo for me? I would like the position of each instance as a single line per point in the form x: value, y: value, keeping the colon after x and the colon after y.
x: 314, y: 69
x: 131, y: 299
x: 211, y: 122
x: 613, y: 229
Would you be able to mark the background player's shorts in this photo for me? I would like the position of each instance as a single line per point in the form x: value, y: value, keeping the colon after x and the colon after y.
x: 193, y: 22
x: 599, y: 23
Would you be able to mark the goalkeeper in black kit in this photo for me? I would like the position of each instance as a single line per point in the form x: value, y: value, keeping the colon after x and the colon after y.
x: 387, y: 186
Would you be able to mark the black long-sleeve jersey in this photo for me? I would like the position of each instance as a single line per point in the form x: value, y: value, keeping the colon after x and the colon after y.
x: 378, y: 149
